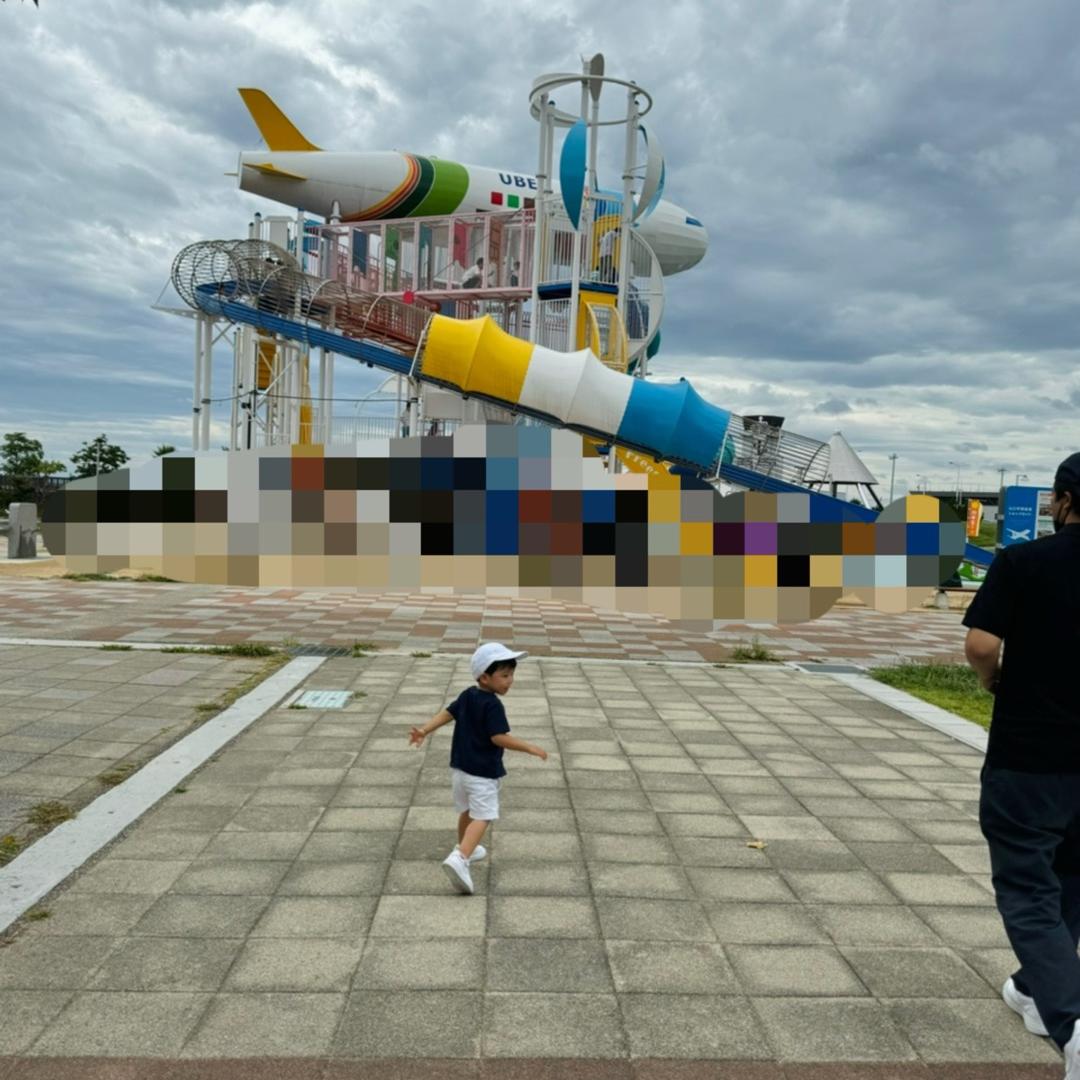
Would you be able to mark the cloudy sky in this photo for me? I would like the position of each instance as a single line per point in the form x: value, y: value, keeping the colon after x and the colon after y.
x: 890, y: 187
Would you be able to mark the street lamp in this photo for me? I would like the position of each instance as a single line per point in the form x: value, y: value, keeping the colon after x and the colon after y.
x: 1020, y: 476
x: 958, y: 487
x: 892, y: 476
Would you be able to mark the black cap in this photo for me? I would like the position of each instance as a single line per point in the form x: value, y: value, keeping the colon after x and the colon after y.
x: 1068, y: 474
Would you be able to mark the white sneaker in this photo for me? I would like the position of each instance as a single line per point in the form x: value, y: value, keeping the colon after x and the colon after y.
x: 1025, y: 1006
x: 457, y: 870
x: 479, y: 852
x: 1072, y: 1054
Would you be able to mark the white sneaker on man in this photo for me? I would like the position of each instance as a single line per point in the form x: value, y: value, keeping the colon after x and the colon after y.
x: 1023, y: 1004
x: 1072, y: 1054
x: 457, y: 870
x: 479, y: 852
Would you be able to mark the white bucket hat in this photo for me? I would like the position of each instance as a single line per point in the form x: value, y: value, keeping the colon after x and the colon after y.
x: 489, y: 653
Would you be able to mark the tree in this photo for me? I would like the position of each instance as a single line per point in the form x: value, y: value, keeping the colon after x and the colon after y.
x: 97, y: 456
x: 163, y: 449
x: 22, y: 461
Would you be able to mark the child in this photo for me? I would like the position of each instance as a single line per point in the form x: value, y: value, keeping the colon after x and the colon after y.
x: 481, y: 734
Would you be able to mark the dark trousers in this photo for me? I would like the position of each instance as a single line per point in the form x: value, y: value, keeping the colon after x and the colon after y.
x: 1032, y: 823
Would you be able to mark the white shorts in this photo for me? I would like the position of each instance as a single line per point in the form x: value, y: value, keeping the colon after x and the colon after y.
x: 477, y: 794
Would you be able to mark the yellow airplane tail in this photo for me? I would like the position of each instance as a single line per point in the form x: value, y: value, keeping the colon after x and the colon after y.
x: 275, y: 127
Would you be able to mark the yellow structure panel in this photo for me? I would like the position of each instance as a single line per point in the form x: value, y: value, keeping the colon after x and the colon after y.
x: 476, y: 356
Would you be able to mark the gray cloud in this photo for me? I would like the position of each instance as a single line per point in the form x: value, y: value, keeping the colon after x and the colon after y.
x: 889, y: 190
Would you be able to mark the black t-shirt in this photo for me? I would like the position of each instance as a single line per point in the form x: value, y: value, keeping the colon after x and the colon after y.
x: 1031, y: 599
x: 478, y: 714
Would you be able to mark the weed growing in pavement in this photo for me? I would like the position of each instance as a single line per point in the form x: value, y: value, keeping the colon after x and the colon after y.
x: 10, y: 846
x: 362, y: 648
x: 38, y: 915
x: 88, y: 577
x: 46, y: 815
x: 118, y: 773
x: 754, y: 653
x: 117, y: 648
x: 242, y: 648
x: 180, y: 791
x: 297, y: 705
x: 421, y: 655
x: 156, y: 577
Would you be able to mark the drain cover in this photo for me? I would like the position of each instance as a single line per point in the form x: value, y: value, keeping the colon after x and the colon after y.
x: 319, y: 650
x: 324, y: 699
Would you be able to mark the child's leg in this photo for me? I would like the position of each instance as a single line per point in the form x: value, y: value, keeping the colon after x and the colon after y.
x: 471, y: 836
x: 463, y: 823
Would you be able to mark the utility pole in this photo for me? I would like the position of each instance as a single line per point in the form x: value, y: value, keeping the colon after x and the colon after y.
x: 1001, y: 477
x: 892, y: 477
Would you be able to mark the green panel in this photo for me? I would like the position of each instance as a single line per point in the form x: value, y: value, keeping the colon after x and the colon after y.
x: 408, y: 205
x: 451, y: 183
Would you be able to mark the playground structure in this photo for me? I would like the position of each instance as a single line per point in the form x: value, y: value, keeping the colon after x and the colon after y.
x: 539, y: 314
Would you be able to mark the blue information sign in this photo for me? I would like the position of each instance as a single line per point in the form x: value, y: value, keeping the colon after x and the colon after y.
x: 1024, y: 515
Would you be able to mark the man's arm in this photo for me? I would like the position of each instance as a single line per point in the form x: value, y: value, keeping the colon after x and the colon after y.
x: 418, y: 734
x: 983, y: 652
x: 511, y: 742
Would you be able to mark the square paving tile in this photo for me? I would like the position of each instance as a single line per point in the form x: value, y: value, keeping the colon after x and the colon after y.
x: 108, y: 1024
x: 692, y: 1026
x: 232, y: 878
x: 653, y: 920
x: 789, y: 970
x: 45, y: 962
x: 242, y: 1025
x: 399, y: 964
x: 541, y: 879
x: 767, y: 924
x: 409, y: 1024
x: 655, y: 967
x: 952, y: 889
x: 202, y: 916
x: 867, y: 924
x: 735, y: 884
x: 304, y: 964
x: 26, y: 1013
x: 847, y: 887
x: 832, y: 1030
x: 964, y: 1030
x: 547, y: 964
x: 546, y: 917
x: 916, y: 973
x: 316, y: 917
x: 333, y: 879
x: 552, y: 1025
x: 161, y: 963
x: 430, y: 917
x: 632, y: 880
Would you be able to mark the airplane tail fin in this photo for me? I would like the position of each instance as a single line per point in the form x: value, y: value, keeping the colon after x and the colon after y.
x: 275, y: 127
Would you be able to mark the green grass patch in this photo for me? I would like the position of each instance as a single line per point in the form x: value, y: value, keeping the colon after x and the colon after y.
x: 117, y: 648
x: 46, y: 815
x: 954, y: 687
x: 362, y: 648
x: 421, y: 655
x: 156, y: 577
x: 38, y: 915
x: 88, y: 577
x: 754, y: 653
x: 10, y: 846
x: 242, y: 648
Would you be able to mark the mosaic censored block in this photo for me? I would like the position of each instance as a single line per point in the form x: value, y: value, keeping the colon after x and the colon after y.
x: 505, y: 509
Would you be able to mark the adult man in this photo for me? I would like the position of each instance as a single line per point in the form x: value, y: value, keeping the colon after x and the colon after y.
x: 1030, y: 805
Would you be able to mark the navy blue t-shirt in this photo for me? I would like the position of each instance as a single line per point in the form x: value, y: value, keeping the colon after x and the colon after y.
x: 478, y: 714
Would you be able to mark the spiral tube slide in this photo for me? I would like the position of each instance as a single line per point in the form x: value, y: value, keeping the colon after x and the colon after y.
x: 671, y: 423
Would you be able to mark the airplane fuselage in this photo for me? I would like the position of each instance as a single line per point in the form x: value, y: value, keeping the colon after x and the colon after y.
x: 390, y: 184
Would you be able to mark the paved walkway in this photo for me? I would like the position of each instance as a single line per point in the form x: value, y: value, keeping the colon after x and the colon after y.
x: 284, y: 914
x: 119, y: 611
x: 71, y: 716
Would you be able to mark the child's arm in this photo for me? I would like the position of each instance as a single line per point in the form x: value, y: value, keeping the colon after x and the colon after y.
x: 511, y: 742
x: 418, y: 734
